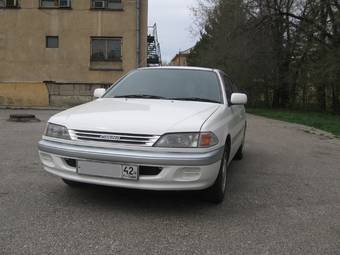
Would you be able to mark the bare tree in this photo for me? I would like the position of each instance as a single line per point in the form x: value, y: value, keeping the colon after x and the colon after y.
x: 284, y: 53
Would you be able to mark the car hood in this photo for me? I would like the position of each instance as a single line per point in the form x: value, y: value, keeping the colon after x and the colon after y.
x: 138, y: 116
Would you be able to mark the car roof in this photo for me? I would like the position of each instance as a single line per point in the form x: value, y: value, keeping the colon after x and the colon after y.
x: 180, y: 68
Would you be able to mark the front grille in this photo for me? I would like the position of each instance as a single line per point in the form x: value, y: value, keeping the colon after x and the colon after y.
x: 119, y: 138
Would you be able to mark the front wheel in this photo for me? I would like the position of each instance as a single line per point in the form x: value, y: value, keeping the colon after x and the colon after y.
x: 239, y: 153
x: 216, y: 192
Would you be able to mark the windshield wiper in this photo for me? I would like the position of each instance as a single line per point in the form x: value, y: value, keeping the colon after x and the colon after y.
x: 195, y: 99
x: 141, y: 96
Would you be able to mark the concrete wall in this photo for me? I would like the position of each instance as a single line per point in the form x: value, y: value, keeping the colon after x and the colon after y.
x: 67, y: 94
x: 24, y: 57
x: 24, y: 94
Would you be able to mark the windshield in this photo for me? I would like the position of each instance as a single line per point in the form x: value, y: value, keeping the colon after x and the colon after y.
x: 175, y: 84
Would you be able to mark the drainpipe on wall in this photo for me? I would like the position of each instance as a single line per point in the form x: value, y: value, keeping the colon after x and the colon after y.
x: 138, y: 30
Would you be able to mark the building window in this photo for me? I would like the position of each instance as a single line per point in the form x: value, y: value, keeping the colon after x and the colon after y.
x: 55, y: 3
x: 106, y: 49
x: 9, y: 3
x: 107, y: 4
x: 52, y: 42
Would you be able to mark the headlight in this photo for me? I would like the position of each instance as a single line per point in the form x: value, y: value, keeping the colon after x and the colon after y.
x: 57, y: 131
x: 187, y: 140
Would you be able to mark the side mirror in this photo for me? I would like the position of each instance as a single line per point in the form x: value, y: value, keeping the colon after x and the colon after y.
x: 98, y: 93
x: 238, y: 99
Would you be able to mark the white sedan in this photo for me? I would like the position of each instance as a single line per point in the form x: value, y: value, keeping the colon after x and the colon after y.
x: 164, y: 128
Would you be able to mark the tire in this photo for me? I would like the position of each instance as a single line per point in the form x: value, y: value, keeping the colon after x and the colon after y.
x: 239, y: 153
x: 216, y: 193
x: 73, y: 184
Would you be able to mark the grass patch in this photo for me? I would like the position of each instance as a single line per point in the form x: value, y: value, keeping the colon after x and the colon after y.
x: 322, y: 121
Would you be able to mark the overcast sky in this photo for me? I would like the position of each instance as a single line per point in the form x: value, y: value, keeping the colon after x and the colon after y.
x: 174, y: 19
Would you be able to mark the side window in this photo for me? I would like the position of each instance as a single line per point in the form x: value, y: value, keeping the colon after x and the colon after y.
x: 107, y: 4
x: 106, y: 49
x: 9, y: 4
x: 55, y: 3
x: 228, y: 88
x: 52, y: 42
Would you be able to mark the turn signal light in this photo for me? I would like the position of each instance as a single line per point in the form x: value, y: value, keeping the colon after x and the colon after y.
x: 207, y: 140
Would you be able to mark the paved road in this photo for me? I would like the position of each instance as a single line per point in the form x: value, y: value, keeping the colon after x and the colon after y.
x: 284, y: 198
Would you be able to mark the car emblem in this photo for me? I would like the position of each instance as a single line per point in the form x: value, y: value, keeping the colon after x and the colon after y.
x: 110, y: 137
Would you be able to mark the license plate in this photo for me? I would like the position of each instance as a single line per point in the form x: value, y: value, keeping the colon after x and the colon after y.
x: 130, y: 172
x: 108, y: 170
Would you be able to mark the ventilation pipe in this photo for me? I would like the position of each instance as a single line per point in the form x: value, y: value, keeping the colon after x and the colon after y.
x: 138, y: 30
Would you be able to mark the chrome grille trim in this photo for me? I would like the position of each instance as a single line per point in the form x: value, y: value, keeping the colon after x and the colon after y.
x: 118, y: 138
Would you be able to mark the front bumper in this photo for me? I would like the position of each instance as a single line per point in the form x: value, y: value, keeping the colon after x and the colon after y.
x: 180, y: 171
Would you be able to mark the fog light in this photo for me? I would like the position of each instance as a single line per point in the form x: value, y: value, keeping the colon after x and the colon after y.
x: 46, y: 159
x: 188, y: 174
